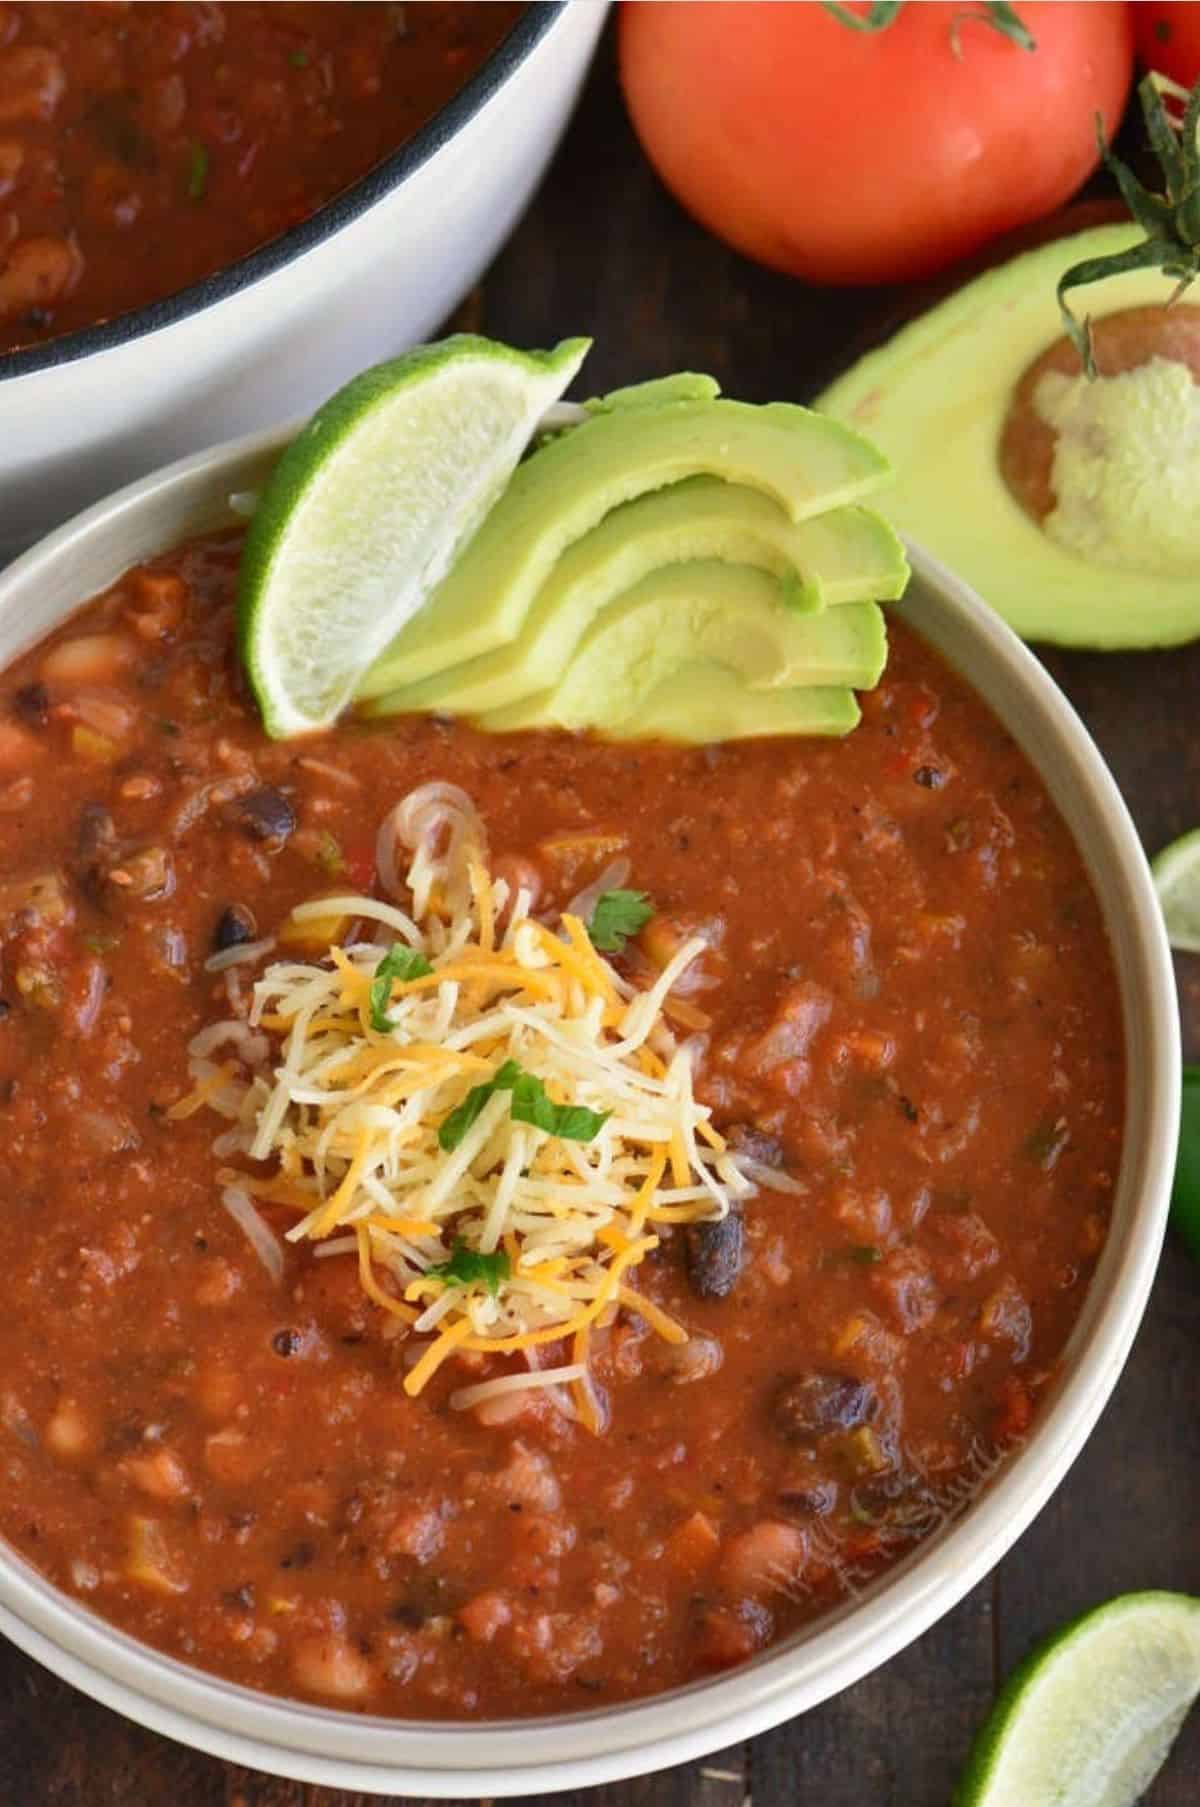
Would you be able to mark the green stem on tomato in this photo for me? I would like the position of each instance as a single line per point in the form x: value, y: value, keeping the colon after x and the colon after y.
x: 997, y: 13
x: 1170, y: 221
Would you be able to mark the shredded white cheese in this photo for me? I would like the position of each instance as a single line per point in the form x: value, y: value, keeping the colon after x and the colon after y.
x: 503, y: 1234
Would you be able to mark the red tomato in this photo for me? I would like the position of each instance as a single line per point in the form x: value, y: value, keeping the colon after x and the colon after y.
x: 843, y: 156
x: 1168, y: 39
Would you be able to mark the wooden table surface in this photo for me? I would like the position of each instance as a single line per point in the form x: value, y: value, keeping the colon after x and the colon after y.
x: 604, y: 251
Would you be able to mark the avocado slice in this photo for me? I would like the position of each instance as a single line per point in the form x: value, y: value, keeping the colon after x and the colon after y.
x: 699, y: 703
x: 846, y: 555
x: 935, y: 399
x: 732, y: 615
x: 806, y: 462
x: 681, y: 386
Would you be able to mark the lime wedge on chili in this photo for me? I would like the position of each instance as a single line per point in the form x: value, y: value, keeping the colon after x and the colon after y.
x: 1177, y: 880
x: 1088, y: 1719
x: 368, y: 507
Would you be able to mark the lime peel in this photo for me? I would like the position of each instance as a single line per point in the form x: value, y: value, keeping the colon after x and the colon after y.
x: 370, y: 505
x: 1088, y: 1719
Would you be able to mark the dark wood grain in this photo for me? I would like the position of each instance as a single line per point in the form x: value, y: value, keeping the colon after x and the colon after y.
x: 605, y: 251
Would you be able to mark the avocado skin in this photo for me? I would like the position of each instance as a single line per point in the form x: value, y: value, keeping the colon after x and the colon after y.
x: 934, y: 399
x: 845, y: 556
x: 807, y: 463
x: 734, y: 616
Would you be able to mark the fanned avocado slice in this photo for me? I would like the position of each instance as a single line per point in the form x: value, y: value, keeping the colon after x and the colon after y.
x: 847, y: 555
x: 701, y: 702
x: 732, y: 615
x: 936, y: 398
x: 680, y: 386
x: 806, y: 463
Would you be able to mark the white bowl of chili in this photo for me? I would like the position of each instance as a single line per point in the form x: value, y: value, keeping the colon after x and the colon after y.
x: 359, y: 1750
x: 190, y: 341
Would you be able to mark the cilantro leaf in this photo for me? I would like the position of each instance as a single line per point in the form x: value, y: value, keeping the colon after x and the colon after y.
x: 617, y: 915
x: 530, y: 1104
x: 399, y: 962
x: 468, y: 1267
x: 570, y: 1122
x: 455, y: 1126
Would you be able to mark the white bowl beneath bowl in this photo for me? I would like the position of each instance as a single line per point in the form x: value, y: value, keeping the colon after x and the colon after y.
x: 371, y: 1754
x: 371, y: 272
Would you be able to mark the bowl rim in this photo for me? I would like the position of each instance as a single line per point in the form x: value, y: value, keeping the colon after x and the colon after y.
x: 452, y: 1759
x: 341, y: 210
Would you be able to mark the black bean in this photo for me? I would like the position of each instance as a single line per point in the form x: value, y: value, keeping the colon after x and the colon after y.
x: 810, y: 1405
x: 408, y: 1612
x: 31, y: 704
x: 96, y: 836
x: 809, y: 1499
x: 286, y: 1342
x: 898, y: 1499
x: 929, y: 777
x: 235, y: 926
x: 713, y: 1253
x: 754, y: 1143
x: 267, y: 816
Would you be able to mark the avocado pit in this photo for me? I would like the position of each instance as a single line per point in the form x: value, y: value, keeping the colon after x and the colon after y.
x: 1111, y: 468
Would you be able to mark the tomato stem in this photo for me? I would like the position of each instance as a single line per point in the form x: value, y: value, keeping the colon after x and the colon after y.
x: 1170, y: 221
x: 997, y: 13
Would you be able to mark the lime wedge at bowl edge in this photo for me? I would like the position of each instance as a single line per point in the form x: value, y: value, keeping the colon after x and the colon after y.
x: 368, y: 507
x: 1176, y: 873
x: 1088, y: 1719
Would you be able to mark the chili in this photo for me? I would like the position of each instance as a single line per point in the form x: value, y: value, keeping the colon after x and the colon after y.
x: 143, y: 147
x: 911, y: 1028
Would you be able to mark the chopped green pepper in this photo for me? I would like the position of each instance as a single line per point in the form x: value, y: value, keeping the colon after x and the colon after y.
x: 1185, y: 1194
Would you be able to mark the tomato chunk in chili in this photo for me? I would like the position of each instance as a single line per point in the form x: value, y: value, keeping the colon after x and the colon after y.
x: 908, y: 1008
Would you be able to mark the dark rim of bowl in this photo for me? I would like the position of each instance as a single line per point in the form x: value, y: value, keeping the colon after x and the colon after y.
x: 390, y: 173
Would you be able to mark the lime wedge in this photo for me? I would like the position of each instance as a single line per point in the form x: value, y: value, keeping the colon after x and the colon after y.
x: 1177, y: 880
x: 368, y: 507
x: 1088, y: 1719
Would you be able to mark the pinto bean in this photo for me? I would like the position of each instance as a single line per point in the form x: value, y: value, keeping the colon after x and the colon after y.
x: 159, y: 1473
x: 39, y: 272
x: 70, y: 1432
x: 331, y: 1665
x: 811, y: 1405
x: 32, y: 82
x: 86, y: 658
x: 713, y: 1254
x: 527, y: 1480
x: 766, y: 1559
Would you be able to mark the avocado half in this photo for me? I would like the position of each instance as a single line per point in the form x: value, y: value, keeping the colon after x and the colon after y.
x: 934, y: 400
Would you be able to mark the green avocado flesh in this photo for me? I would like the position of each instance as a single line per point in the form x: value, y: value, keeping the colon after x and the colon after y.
x: 701, y: 703
x: 807, y: 464
x: 848, y: 555
x: 683, y: 386
x: 731, y: 615
x: 935, y: 398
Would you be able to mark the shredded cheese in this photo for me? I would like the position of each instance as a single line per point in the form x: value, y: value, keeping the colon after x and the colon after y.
x: 516, y: 1233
